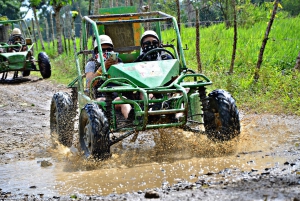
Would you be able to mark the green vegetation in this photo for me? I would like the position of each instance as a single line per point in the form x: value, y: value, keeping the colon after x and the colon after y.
x: 277, y: 90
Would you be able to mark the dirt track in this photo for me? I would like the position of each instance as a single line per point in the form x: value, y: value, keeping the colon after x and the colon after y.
x: 24, y: 135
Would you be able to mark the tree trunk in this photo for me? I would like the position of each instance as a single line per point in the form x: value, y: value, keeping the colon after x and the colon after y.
x: 68, y: 28
x: 38, y: 27
x: 96, y: 7
x: 33, y: 32
x: 234, y: 38
x: 224, y: 8
x: 111, y: 4
x: 47, y: 33
x: 264, y: 42
x: 190, y: 12
x: 178, y: 22
x: 89, y: 13
x: 58, y: 30
x: 198, y: 42
x: 73, y: 36
x: 64, y: 35
x: 297, y: 66
x: 52, y: 30
x: 140, y: 6
x: 131, y: 2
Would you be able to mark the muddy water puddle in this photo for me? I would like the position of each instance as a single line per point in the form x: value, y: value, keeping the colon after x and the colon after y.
x: 156, y: 159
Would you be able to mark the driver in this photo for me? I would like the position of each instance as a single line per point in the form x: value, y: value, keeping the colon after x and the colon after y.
x: 15, y: 38
x: 149, y: 41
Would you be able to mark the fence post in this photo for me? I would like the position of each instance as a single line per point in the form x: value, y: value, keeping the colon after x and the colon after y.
x: 198, y: 41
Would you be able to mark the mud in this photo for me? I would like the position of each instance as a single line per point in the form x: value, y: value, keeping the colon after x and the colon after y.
x: 263, y: 163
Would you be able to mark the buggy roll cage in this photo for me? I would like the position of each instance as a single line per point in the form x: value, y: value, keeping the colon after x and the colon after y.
x: 131, y: 18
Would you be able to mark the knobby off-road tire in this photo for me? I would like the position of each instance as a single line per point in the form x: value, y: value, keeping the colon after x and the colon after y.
x: 221, y: 119
x: 94, y: 132
x: 44, y: 65
x: 62, y: 116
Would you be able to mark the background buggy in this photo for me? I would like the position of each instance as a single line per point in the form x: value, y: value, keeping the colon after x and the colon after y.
x: 15, y: 57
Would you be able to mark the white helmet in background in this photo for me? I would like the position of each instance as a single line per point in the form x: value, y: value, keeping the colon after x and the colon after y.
x: 104, y: 39
x: 16, y: 31
x: 149, y: 33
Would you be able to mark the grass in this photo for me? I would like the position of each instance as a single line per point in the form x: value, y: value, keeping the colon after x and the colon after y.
x: 277, y: 90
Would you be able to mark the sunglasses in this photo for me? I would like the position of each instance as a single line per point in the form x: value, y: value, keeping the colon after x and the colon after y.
x: 148, y: 43
x: 109, y: 49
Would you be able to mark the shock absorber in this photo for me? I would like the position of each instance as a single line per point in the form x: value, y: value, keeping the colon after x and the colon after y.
x: 203, y: 98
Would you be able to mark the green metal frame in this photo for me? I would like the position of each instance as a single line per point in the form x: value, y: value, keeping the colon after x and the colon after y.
x: 179, y: 85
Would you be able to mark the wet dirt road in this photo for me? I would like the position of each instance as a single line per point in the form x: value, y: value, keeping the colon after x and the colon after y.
x: 167, y: 164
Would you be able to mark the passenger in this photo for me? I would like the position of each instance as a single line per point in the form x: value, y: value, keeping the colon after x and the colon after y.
x: 93, y: 69
x: 149, y: 41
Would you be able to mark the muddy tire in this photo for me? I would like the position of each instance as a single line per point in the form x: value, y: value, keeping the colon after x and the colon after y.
x: 44, y: 65
x: 62, y: 118
x: 94, y: 132
x: 221, y: 119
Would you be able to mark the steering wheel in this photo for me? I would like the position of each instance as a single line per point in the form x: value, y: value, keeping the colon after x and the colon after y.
x: 17, y: 38
x: 157, y: 50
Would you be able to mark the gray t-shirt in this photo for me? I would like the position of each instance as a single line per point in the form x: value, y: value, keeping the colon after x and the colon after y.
x: 90, y: 67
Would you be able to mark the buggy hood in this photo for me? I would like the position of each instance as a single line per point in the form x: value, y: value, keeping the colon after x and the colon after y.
x: 147, y: 74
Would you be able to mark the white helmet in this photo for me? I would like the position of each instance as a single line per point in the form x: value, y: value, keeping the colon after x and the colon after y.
x: 16, y: 31
x: 149, y: 33
x: 104, y: 39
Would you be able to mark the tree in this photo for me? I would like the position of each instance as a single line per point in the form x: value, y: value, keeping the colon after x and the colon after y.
x: 34, y: 4
x: 10, y: 9
x: 291, y: 6
x: 97, y: 4
x: 266, y: 37
x: 57, y: 6
x: 226, y: 10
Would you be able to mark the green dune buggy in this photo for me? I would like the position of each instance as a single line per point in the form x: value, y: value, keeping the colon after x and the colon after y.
x: 181, y: 99
x: 17, y: 55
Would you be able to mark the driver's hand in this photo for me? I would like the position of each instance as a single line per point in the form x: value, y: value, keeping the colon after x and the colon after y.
x: 110, y: 62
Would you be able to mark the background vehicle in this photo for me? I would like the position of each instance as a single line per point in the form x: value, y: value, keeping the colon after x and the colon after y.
x: 15, y: 58
x: 181, y: 99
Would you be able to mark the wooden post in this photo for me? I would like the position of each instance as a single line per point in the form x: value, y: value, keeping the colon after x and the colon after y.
x: 234, y: 38
x: 198, y: 41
